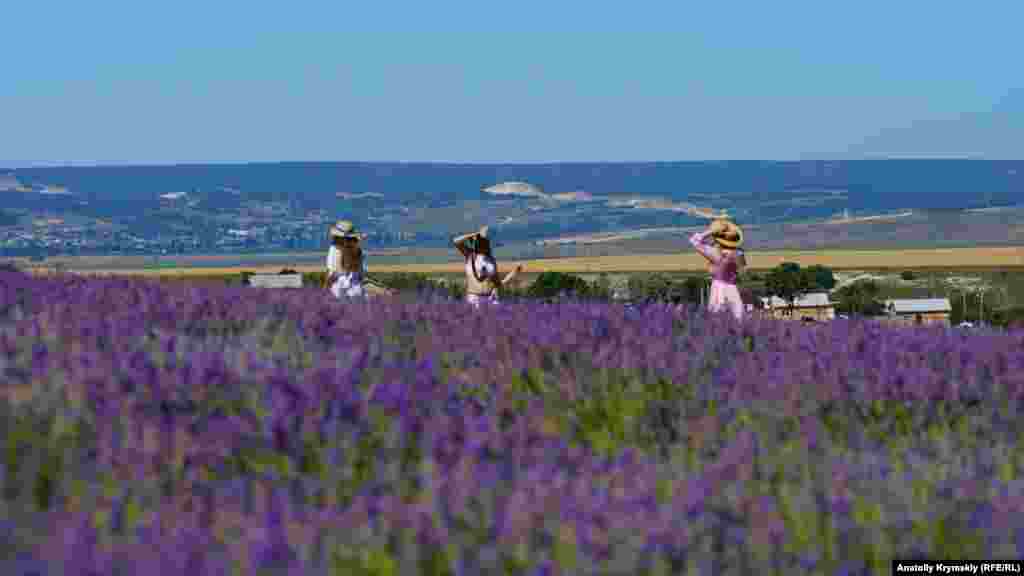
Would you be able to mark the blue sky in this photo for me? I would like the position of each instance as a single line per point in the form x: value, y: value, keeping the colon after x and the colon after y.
x: 129, y: 82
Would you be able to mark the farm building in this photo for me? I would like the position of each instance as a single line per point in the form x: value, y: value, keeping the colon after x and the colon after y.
x: 919, y: 311
x: 815, y: 306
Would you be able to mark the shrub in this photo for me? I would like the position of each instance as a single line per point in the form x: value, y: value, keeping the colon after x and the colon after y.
x: 415, y: 283
x: 660, y: 288
x: 553, y: 284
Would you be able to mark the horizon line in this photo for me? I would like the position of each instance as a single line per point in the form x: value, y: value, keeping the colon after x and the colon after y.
x: 12, y: 166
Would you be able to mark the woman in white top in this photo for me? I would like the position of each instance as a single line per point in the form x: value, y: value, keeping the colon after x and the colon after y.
x: 346, y: 264
x: 482, y: 280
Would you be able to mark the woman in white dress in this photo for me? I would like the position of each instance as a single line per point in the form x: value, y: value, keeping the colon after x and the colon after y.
x: 346, y: 263
x: 482, y: 279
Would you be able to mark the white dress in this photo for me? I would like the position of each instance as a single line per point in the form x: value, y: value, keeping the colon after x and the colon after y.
x: 348, y: 284
x: 485, y: 268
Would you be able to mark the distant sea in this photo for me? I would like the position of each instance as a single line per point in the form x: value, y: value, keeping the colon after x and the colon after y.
x: 870, y: 185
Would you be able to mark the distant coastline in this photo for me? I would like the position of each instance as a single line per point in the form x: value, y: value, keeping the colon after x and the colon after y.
x: 248, y: 209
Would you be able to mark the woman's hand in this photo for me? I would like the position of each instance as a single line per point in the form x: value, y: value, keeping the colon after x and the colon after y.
x: 510, y: 276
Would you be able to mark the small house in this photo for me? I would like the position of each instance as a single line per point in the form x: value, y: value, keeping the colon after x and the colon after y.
x: 919, y: 311
x: 276, y: 280
x: 815, y: 306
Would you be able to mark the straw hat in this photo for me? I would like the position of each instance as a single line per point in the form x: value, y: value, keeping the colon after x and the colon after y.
x: 473, y: 240
x: 345, y: 229
x: 726, y: 233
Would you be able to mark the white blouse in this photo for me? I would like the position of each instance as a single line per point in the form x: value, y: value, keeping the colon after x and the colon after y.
x: 350, y: 283
x: 485, y: 267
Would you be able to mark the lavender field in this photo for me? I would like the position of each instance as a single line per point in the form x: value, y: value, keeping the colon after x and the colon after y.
x: 188, y: 428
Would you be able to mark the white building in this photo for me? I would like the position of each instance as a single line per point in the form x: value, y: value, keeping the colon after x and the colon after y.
x: 919, y: 310
x: 815, y: 306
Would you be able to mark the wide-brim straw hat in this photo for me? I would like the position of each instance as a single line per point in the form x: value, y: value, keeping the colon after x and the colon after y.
x: 481, y: 233
x: 345, y: 229
x: 729, y: 236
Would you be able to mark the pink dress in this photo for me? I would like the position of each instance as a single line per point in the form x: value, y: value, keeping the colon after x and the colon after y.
x: 725, y: 267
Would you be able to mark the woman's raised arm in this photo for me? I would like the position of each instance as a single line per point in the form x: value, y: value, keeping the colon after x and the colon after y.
x: 511, y: 275
x: 708, y: 252
x: 460, y: 243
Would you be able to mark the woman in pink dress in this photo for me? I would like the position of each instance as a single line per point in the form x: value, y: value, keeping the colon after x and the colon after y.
x: 720, y: 245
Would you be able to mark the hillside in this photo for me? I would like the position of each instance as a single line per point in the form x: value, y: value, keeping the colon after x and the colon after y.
x: 285, y: 207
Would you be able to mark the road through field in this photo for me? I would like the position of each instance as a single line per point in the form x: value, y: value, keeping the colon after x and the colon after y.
x: 941, y: 258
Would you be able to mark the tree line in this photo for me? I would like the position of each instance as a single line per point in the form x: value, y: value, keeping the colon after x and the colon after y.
x: 789, y: 281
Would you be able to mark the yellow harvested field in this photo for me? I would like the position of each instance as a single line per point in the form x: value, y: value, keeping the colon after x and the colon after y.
x: 951, y: 258
x: 195, y: 271
x: 948, y: 258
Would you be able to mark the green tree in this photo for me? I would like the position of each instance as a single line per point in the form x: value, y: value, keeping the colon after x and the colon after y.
x: 1006, y: 317
x: 648, y: 286
x: 657, y: 287
x: 314, y: 278
x: 907, y: 275
x: 554, y: 284
x: 788, y: 282
x: 601, y: 287
x: 960, y: 313
x: 859, y: 299
x: 692, y: 288
x: 820, y: 277
x: 416, y: 283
